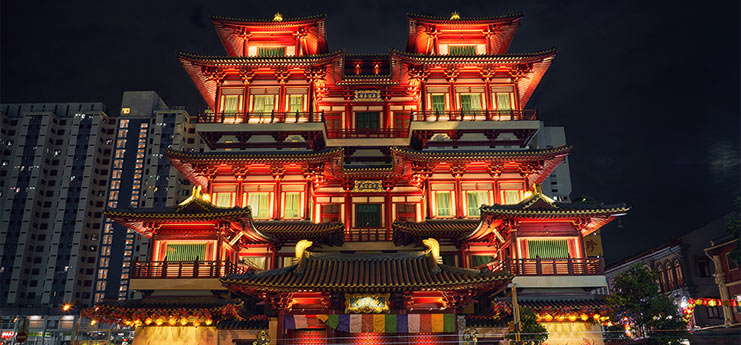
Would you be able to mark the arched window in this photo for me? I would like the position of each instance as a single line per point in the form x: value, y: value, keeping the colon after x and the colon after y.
x: 669, y: 276
x: 662, y: 278
x: 678, y: 272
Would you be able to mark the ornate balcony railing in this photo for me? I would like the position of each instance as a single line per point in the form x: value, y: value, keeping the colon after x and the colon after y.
x: 473, y: 115
x: 254, y: 118
x: 367, y: 234
x: 183, y: 269
x: 367, y: 133
x: 545, y: 267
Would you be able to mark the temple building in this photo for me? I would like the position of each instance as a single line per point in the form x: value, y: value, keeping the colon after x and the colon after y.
x: 363, y: 198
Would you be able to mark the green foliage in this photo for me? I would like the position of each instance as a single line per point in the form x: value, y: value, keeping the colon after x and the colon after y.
x: 655, y: 316
x: 532, y: 333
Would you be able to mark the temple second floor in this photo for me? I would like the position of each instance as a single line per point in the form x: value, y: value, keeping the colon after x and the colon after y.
x: 536, y: 240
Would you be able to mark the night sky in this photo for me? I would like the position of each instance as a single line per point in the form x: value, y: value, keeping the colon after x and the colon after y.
x: 648, y: 90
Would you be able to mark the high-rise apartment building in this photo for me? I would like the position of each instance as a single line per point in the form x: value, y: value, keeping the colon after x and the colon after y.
x: 61, y: 165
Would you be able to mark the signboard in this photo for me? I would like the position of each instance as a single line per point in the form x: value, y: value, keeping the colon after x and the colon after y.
x: 367, y: 186
x: 21, y: 337
x: 593, y: 245
x: 364, y: 303
x: 367, y: 96
x: 6, y: 334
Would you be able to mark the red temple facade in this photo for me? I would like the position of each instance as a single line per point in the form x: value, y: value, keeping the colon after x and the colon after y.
x: 349, y: 198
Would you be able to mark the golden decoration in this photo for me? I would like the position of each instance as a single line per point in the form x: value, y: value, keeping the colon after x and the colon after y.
x: 369, y: 304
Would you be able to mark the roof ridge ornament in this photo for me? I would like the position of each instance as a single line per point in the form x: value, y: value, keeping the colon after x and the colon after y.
x: 196, y: 195
x: 433, y: 248
x: 277, y: 17
x: 454, y: 15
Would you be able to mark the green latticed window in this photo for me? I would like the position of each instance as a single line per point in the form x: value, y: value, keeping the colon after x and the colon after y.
x: 462, y: 50
x: 186, y: 252
x: 271, y: 51
x: 478, y: 260
x: 368, y: 215
x: 547, y: 249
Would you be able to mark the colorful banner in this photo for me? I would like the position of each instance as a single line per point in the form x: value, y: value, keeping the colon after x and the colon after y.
x: 376, y: 323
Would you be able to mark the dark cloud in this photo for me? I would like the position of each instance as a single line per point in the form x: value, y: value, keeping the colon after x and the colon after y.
x: 648, y: 91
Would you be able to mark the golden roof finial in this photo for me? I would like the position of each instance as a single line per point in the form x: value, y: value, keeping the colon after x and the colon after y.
x: 301, y: 247
x: 277, y: 17
x: 196, y: 195
x: 433, y: 248
x: 454, y: 15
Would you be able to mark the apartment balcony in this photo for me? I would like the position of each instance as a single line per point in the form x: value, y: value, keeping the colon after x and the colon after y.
x: 554, y: 273
x: 181, y: 275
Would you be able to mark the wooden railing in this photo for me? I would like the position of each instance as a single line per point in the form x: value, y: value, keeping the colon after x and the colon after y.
x: 472, y: 115
x: 538, y: 267
x: 253, y: 118
x: 367, y: 234
x: 183, y: 269
x: 367, y: 133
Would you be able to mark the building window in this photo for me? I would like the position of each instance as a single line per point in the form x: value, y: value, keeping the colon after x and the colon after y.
x: 296, y: 103
x: 703, y: 267
x: 510, y: 197
x: 438, y: 102
x: 263, y: 103
x: 443, y: 204
x: 257, y: 262
x: 547, y: 249
x: 678, y: 272
x: 406, y: 212
x: 474, y: 200
x: 231, y: 103
x: 669, y: 277
x: 461, y: 49
x: 292, y: 205
x: 478, y: 260
x: 662, y: 278
x: 732, y: 263
x: 259, y: 204
x: 330, y: 213
x: 185, y: 252
x: 503, y: 100
x: 367, y: 120
x: 713, y: 312
x: 470, y: 101
x: 368, y: 215
x: 271, y: 51
x: 224, y: 199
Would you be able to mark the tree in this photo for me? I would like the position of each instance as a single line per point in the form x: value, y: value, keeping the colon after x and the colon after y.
x: 653, y: 315
x: 532, y: 332
x: 733, y: 226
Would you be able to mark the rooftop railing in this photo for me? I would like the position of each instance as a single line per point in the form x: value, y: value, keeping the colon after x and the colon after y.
x: 545, y: 267
x: 183, y: 269
x: 261, y: 117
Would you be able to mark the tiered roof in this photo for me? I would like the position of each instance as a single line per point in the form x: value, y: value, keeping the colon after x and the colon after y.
x: 233, y: 30
x: 364, y: 272
x: 456, y: 230
x: 502, y: 27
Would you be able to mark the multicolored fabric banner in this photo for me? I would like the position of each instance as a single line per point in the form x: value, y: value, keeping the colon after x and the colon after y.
x: 376, y: 323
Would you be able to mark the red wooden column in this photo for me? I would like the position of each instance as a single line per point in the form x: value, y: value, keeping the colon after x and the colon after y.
x: 458, y: 197
x: 389, y: 217
x: 277, y: 172
x: 348, y: 114
x: 428, y: 192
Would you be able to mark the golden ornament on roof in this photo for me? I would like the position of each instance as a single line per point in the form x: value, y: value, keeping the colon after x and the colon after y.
x: 277, y: 17
x: 454, y: 15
